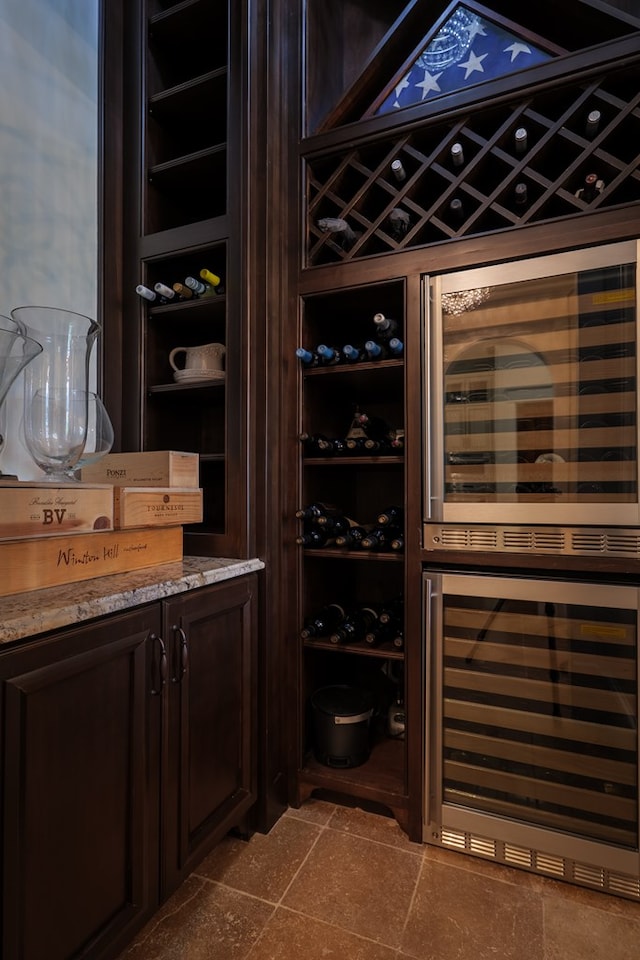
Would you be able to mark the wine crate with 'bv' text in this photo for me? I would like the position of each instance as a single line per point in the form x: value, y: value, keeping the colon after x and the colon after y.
x: 31, y: 508
x: 51, y: 561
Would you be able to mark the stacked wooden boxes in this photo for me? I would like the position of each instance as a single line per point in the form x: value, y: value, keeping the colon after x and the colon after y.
x: 127, y: 513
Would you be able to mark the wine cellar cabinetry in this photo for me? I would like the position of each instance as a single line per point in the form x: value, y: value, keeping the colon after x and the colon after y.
x: 496, y: 167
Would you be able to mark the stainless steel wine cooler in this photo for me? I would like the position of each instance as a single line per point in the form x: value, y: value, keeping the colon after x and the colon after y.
x: 531, y: 426
x: 532, y: 732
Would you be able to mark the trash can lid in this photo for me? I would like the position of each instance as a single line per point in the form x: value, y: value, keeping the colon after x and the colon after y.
x: 342, y: 700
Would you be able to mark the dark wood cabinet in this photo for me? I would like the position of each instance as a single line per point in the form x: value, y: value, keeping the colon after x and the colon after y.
x: 128, y: 750
x: 209, y: 744
x: 80, y: 787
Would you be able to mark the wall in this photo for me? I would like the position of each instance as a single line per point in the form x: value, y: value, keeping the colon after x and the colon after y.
x: 48, y: 175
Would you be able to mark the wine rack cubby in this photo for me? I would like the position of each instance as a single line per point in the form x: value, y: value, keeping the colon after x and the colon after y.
x: 360, y: 486
x: 440, y: 200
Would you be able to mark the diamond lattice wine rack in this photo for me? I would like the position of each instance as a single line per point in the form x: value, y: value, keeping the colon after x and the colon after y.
x: 554, y: 154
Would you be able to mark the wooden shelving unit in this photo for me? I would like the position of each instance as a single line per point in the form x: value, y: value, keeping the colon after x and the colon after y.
x: 184, y: 135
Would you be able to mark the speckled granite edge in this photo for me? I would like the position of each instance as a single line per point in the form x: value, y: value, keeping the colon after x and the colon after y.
x: 38, y: 611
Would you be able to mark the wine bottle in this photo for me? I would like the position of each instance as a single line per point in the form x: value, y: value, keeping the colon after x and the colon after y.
x: 315, y: 537
x: 520, y: 140
x: 389, y: 515
x: 331, y: 447
x: 397, y: 544
x: 200, y: 288
x: 323, y: 622
x: 385, y: 327
x: 355, y: 432
x: 352, y: 538
x: 355, y: 626
x: 336, y: 526
x: 457, y: 155
x: 339, y: 229
x: 308, y: 358
x: 212, y: 279
x: 592, y: 124
x: 355, y: 445
x: 456, y: 210
x: 590, y: 188
x: 393, y: 611
x: 380, y: 633
x: 397, y: 441
x: 377, y: 447
x: 520, y: 195
x: 379, y: 538
x: 146, y: 294
x: 375, y: 428
x: 398, y: 640
x: 328, y: 355
x: 310, y: 443
x: 352, y: 354
x: 399, y: 222
x: 375, y: 351
x: 169, y: 295
x: 317, y: 509
x: 182, y: 291
x: 395, y: 347
x: 398, y: 170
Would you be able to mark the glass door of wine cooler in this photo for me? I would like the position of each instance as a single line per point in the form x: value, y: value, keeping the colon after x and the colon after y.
x: 531, y: 398
x: 532, y: 733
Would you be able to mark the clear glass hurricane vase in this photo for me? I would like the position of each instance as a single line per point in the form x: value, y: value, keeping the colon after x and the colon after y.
x: 16, y: 352
x: 99, y: 433
x: 56, y: 391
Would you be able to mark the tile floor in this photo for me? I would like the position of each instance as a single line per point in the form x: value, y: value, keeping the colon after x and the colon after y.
x: 338, y: 883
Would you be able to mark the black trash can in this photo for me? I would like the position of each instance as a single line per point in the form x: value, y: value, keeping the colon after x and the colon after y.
x: 341, y: 716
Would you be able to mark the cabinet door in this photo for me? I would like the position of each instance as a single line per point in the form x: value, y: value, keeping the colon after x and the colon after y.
x: 79, y: 819
x: 209, y: 779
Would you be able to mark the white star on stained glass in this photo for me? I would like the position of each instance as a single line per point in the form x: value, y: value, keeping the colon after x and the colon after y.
x: 515, y: 48
x: 472, y: 64
x: 430, y: 83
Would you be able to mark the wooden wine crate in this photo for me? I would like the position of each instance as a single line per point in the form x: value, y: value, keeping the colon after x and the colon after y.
x: 32, y: 508
x: 146, y: 468
x: 51, y: 561
x: 156, y: 506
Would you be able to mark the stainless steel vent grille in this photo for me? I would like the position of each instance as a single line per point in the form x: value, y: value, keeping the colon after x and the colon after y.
x: 474, y: 538
x: 536, y: 861
x: 482, y: 846
x: 588, y: 876
x: 567, y: 541
x: 518, y: 856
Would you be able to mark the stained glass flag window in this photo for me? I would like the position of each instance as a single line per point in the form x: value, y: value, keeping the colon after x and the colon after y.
x: 468, y: 49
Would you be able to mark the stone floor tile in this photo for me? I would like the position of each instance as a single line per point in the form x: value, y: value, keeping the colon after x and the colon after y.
x: 202, y: 921
x: 265, y: 865
x: 576, y: 931
x: 293, y: 936
x: 361, y: 823
x: 316, y: 811
x: 458, y: 915
x: 356, y: 884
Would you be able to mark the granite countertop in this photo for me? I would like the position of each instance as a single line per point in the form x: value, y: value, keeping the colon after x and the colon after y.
x: 38, y: 611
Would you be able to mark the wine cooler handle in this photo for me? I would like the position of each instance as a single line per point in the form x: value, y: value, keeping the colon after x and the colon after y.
x: 162, y: 665
x: 430, y: 291
x: 184, y: 654
x: 431, y: 619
